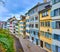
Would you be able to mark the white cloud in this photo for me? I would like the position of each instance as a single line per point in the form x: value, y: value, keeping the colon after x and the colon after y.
x: 16, y: 15
x: 14, y: 8
x: 3, y: 10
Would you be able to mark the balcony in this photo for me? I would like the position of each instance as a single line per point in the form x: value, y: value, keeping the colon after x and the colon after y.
x: 56, y: 31
x: 55, y: 42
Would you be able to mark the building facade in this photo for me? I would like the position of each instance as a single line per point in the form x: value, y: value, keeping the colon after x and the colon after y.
x: 4, y: 25
x: 17, y: 27
x: 27, y: 26
x: 22, y: 25
x: 11, y: 24
x: 55, y: 14
x: 34, y: 24
x: 1, y: 24
x: 45, y: 27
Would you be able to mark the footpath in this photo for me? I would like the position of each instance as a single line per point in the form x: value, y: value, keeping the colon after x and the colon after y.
x: 29, y: 46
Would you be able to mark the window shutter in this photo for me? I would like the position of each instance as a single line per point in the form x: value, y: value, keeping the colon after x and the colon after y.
x: 53, y: 25
x: 52, y: 1
x: 58, y: 49
x: 53, y: 48
x: 52, y: 13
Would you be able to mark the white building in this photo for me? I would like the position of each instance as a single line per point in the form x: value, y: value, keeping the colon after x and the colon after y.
x: 55, y: 14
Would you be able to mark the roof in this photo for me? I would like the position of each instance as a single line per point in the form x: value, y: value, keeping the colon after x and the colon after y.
x: 11, y: 19
x: 45, y: 7
x: 22, y: 17
x: 34, y: 6
x: 38, y: 5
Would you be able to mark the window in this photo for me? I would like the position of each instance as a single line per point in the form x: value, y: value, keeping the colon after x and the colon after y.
x: 37, y: 9
x: 37, y: 41
x: 34, y: 32
x: 54, y: 25
x: 36, y: 25
x: 27, y: 20
x: 10, y: 22
x: 22, y: 22
x: 42, y: 23
x: 36, y: 17
x: 10, y: 26
x: 21, y: 26
x: 45, y: 13
x: 27, y: 31
x: 57, y: 37
x: 32, y: 38
x: 48, y: 46
x: 47, y: 24
x: 58, y: 49
x: 48, y: 35
x: 42, y: 33
x: 59, y: 11
x: 27, y: 25
x: 58, y: 24
x: 32, y: 25
x: 56, y: 12
x: 32, y: 19
x: 32, y: 11
x: 55, y: 1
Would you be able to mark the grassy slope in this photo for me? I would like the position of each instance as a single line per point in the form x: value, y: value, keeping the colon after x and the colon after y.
x: 6, y: 40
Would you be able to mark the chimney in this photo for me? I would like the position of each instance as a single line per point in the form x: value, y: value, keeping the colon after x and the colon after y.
x: 45, y: 1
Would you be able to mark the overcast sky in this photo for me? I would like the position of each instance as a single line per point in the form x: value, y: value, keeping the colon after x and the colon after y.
x: 9, y: 8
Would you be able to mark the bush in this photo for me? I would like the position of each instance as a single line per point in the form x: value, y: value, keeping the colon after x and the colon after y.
x: 6, y: 40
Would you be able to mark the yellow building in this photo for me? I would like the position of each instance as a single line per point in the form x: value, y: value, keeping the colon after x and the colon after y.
x: 45, y: 28
x: 22, y: 25
x: 19, y: 27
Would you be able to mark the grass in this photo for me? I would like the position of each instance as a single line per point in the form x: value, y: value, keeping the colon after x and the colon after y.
x: 6, y: 40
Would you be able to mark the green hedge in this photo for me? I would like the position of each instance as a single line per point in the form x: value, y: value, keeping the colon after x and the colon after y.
x: 7, y: 40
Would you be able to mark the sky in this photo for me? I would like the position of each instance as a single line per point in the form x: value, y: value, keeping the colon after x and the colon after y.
x: 10, y: 8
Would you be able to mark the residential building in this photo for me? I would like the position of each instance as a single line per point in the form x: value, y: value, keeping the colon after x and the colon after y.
x: 27, y: 26
x: 55, y: 14
x: 17, y: 27
x: 8, y: 24
x: 4, y: 25
x: 45, y: 27
x: 22, y: 25
x: 1, y: 24
x: 34, y: 24
x: 11, y: 24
